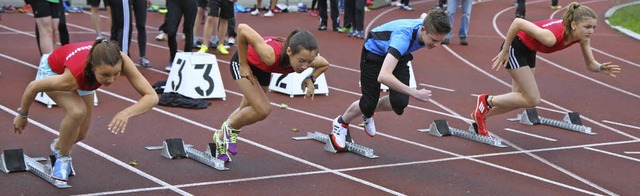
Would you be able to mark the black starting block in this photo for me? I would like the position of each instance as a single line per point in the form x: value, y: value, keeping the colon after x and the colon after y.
x: 350, y: 146
x: 176, y: 148
x: 570, y: 122
x: 441, y: 128
x: 15, y: 160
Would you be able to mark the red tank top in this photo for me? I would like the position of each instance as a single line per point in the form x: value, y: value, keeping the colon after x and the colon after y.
x: 254, y: 59
x: 73, y: 57
x: 556, y: 27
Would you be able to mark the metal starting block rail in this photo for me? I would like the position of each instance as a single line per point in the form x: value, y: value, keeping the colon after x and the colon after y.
x: 570, y: 122
x: 441, y: 128
x: 15, y: 160
x: 350, y: 147
x: 176, y: 148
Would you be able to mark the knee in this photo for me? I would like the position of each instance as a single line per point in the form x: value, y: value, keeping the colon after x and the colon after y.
x: 263, y: 111
x: 77, y: 113
x: 399, y: 104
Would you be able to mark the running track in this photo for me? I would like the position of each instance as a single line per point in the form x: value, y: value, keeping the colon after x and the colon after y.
x: 544, y: 161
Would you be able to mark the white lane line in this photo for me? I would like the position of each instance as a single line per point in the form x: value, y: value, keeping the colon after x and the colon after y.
x: 486, y: 163
x: 631, y: 152
x: 530, y: 134
x: 613, y: 154
x: 363, y: 168
x: 243, y: 139
x: 437, y: 87
x: 164, y: 184
x: 621, y: 124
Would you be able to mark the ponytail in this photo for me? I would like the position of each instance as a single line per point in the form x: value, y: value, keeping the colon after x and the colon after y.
x: 576, y: 13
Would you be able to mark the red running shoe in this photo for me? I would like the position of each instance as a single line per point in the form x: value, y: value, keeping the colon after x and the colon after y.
x: 482, y: 108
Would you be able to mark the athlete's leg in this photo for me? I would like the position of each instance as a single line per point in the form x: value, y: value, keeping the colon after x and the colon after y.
x: 525, y: 93
x: 75, y: 112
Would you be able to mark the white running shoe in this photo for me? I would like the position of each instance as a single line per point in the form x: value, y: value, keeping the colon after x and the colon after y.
x: 268, y: 14
x: 255, y: 12
x: 161, y: 37
x: 369, y: 126
x: 339, y: 135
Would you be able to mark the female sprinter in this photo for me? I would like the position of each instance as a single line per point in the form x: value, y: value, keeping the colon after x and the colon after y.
x: 518, y: 53
x: 70, y: 76
x: 251, y: 67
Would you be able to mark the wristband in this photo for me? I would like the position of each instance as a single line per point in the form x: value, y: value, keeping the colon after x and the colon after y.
x: 600, y: 68
x: 23, y: 114
x: 313, y: 80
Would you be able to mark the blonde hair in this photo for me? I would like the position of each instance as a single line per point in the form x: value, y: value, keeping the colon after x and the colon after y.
x: 576, y: 13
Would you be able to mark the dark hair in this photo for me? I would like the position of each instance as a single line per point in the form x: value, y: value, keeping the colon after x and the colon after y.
x: 577, y: 13
x: 437, y: 22
x: 102, y: 51
x: 298, y: 39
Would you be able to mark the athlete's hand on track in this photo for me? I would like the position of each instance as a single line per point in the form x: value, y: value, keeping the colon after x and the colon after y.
x: 19, y: 123
x: 118, y: 123
x: 609, y: 69
x: 422, y: 95
x: 500, y: 60
x: 310, y: 89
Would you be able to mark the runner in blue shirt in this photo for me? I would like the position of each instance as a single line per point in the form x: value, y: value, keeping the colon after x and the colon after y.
x: 384, y: 58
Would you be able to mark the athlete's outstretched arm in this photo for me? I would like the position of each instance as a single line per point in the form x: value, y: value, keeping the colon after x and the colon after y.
x: 544, y: 36
x: 593, y: 65
x: 62, y: 82
x: 148, y: 100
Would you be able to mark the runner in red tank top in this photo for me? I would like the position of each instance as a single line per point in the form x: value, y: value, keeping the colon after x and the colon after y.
x: 518, y: 53
x: 251, y: 68
x: 68, y: 76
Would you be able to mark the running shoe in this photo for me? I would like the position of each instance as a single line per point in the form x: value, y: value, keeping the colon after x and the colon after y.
x: 268, y: 14
x: 62, y: 168
x: 161, y: 37
x: 369, y: 125
x: 230, y: 137
x: 255, y: 12
x: 339, y: 135
x: 144, y: 62
x: 345, y: 30
x: 221, y: 148
x: 203, y: 48
x: 482, y: 108
x: 222, y: 49
x: 556, y: 7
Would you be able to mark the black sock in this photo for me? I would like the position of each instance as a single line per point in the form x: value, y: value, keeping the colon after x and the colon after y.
x: 342, y: 121
x: 486, y: 100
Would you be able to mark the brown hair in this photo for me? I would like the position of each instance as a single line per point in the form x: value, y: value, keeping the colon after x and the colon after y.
x: 437, y: 22
x: 102, y: 51
x: 297, y: 40
x: 576, y: 13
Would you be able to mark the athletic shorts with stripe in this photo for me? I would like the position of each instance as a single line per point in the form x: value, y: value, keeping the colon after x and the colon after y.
x: 263, y: 77
x: 520, y: 55
x: 44, y: 8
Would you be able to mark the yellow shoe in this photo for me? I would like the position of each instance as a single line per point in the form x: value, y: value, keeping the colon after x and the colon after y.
x: 222, y: 50
x: 556, y: 7
x: 203, y: 49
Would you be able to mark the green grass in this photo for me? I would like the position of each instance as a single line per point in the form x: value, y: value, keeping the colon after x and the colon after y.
x: 627, y: 17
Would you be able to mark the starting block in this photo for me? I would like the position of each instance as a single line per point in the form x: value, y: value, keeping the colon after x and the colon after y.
x: 441, y: 128
x: 176, y: 148
x: 16, y: 161
x: 350, y: 147
x: 570, y: 122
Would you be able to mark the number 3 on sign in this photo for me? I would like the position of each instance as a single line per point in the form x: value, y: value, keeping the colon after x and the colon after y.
x: 195, y: 75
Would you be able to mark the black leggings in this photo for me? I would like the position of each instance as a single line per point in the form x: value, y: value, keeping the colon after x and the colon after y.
x: 177, y: 8
x: 121, y: 23
x: 354, y: 14
x: 322, y: 5
x: 370, y: 65
x: 140, y: 11
x: 62, y: 29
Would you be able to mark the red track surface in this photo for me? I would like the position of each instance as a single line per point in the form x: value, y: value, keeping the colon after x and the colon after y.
x: 412, y: 163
